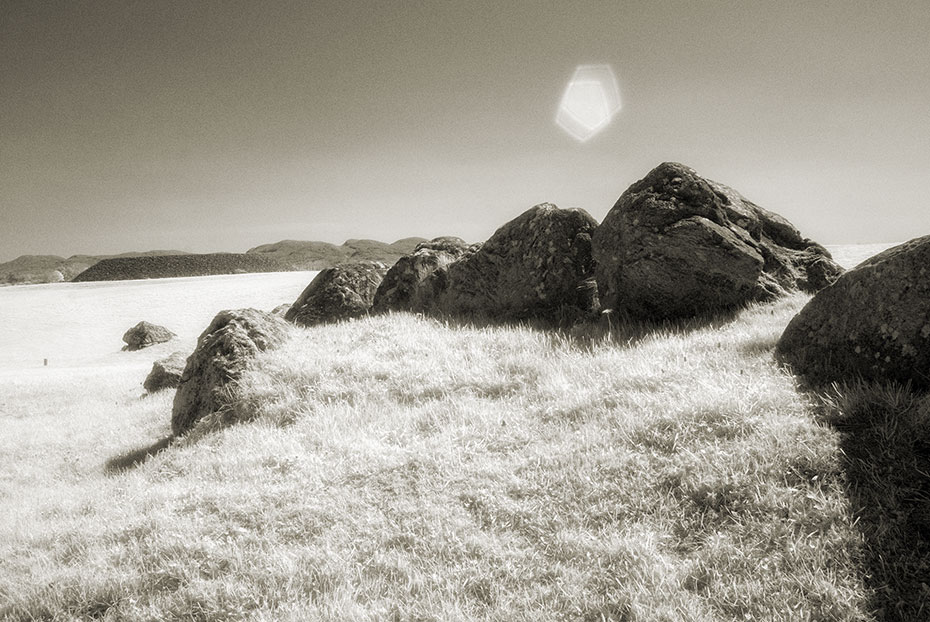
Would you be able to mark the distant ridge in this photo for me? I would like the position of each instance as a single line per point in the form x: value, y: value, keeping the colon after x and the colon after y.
x: 305, y: 255
x: 27, y: 269
x: 168, y: 266
x: 285, y: 255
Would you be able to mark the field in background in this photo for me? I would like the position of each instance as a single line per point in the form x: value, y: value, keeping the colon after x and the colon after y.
x: 82, y: 324
x: 851, y: 255
x: 401, y: 468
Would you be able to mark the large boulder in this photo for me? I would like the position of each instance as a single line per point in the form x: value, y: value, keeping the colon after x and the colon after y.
x: 415, y: 280
x: 338, y: 293
x: 145, y: 334
x: 678, y: 245
x: 538, y: 265
x: 873, y: 322
x: 166, y: 372
x: 223, y: 351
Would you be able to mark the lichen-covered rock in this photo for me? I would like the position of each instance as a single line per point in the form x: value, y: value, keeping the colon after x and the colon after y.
x: 338, y: 293
x: 145, y: 334
x: 223, y: 351
x: 873, y: 322
x: 415, y: 280
x: 535, y: 266
x: 166, y: 373
x: 678, y: 245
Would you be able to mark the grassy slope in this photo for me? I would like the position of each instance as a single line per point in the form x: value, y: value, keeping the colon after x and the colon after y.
x: 399, y: 468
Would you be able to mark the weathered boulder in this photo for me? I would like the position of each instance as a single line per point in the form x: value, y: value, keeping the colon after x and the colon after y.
x: 415, y: 280
x: 338, y: 293
x: 145, y: 334
x: 538, y: 265
x: 223, y: 351
x: 166, y: 372
x: 873, y: 322
x: 678, y: 245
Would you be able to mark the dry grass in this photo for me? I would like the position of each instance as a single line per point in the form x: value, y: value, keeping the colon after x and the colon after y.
x: 401, y: 468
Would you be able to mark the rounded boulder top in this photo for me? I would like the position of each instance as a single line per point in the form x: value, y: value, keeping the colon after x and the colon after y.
x: 872, y: 323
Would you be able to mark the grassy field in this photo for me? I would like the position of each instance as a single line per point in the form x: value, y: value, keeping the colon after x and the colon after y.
x: 403, y: 468
x: 82, y: 324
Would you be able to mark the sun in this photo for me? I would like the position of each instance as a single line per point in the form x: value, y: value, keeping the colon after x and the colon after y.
x: 590, y: 102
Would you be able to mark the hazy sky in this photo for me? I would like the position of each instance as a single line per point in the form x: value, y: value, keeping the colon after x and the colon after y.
x: 217, y: 126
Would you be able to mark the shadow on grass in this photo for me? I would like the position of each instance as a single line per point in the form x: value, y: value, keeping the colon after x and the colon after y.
x: 133, y: 458
x: 886, y: 457
x: 586, y: 331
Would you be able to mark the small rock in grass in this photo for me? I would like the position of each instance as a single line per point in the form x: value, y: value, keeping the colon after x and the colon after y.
x: 145, y: 334
x: 166, y: 372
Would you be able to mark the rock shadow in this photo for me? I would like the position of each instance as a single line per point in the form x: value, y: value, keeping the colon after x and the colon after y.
x: 134, y: 457
x: 885, y: 443
x: 615, y: 328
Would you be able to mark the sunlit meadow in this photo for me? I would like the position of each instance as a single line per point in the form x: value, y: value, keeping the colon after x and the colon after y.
x: 407, y: 468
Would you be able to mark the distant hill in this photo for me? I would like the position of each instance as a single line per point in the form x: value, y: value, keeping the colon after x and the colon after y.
x: 52, y: 268
x: 286, y: 255
x: 167, y: 266
x: 305, y: 255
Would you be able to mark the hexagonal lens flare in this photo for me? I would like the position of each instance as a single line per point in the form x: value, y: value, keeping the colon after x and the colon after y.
x: 590, y: 101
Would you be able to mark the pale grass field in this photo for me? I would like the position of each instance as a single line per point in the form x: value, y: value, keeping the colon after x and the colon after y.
x: 401, y: 468
x: 82, y: 324
x: 851, y: 255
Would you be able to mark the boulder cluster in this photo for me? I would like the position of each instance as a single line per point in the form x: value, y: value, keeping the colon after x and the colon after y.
x: 675, y: 245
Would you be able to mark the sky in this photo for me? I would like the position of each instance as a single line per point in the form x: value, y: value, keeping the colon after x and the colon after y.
x: 218, y: 126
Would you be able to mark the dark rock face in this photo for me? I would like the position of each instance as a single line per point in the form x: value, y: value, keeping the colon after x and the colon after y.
x: 535, y: 266
x: 873, y: 322
x: 414, y: 282
x: 166, y: 372
x: 145, y: 334
x: 223, y: 351
x: 678, y: 245
x: 338, y: 293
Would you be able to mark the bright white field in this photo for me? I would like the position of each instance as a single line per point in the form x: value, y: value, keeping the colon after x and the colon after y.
x: 851, y: 255
x: 81, y: 324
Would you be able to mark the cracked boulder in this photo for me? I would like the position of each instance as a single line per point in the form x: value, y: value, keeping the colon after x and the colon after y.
x: 415, y: 280
x: 537, y: 266
x: 677, y: 245
x: 338, y: 293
